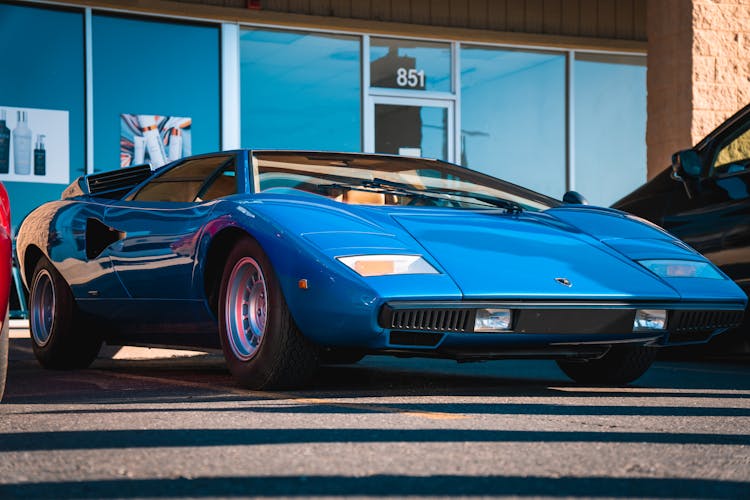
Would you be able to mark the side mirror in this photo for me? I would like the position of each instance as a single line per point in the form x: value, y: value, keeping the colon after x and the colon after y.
x: 686, y: 164
x: 574, y: 198
x: 686, y: 168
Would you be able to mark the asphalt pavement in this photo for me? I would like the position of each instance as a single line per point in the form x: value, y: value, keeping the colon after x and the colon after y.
x: 144, y: 423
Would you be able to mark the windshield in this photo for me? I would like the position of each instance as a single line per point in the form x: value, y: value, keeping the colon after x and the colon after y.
x: 390, y: 180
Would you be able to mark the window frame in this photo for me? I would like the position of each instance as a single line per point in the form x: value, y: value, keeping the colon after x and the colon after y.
x: 158, y: 177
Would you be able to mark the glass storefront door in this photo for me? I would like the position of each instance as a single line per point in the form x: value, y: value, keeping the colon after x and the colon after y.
x: 412, y: 127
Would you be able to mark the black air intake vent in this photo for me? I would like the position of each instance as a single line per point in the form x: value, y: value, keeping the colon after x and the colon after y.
x: 116, y: 183
x: 431, y: 320
x: 696, y: 321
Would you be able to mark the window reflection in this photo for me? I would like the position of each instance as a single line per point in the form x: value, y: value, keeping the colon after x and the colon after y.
x: 610, y: 125
x: 513, y: 116
x: 184, y: 84
x: 734, y: 156
x: 300, y: 90
x: 43, y: 68
x: 411, y: 130
x: 410, y: 64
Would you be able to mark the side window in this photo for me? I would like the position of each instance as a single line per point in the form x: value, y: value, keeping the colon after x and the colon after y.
x: 183, y: 182
x: 734, y: 156
x: 222, y: 183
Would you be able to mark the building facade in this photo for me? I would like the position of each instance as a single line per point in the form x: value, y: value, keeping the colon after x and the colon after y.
x: 549, y: 94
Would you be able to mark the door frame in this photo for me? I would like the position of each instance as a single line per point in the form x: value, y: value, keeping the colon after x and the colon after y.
x: 401, y: 100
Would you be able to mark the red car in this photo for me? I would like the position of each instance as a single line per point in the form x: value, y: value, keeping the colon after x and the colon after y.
x: 5, y: 278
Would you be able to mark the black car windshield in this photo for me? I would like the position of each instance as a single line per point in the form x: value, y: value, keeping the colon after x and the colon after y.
x: 390, y: 180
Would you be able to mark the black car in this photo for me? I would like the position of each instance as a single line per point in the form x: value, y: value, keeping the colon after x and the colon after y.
x: 704, y: 200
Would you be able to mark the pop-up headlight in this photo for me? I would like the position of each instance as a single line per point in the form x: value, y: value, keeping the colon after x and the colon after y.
x: 492, y: 320
x: 674, y: 268
x: 382, y: 265
x: 650, y: 319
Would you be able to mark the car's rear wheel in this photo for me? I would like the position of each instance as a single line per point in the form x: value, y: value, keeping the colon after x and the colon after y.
x: 620, y: 365
x: 262, y: 345
x: 61, y: 337
x: 4, y: 343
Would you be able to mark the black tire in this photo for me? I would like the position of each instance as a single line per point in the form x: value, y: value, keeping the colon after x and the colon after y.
x: 275, y: 354
x: 334, y: 356
x: 4, y: 344
x: 61, y: 336
x: 622, y: 364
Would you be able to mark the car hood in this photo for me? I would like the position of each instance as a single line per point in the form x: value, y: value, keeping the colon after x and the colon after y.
x: 495, y: 255
x: 492, y: 254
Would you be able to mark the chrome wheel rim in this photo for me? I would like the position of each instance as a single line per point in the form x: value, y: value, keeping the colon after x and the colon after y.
x: 245, y: 309
x: 42, y: 308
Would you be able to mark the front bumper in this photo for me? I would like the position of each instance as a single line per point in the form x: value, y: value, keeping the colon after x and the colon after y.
x: 449, y: 326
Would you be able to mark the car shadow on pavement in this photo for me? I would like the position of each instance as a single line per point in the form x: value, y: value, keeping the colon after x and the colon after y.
x: 376, y: 376
x: 176, y: 438
x: 382, y: 485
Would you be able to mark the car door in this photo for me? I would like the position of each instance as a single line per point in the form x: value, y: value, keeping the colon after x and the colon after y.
x: 77, y: 243
x: 712, y: 212
x: 161, y: 225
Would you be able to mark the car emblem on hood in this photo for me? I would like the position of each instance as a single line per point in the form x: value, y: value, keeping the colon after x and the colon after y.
x: 564, y: 281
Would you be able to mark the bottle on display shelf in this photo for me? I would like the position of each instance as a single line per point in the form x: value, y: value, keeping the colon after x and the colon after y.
x: 40, y: 156
x: 22, y: 145
x: 154, y: 145
x: 175, y: 144
x: 4, y: 144
x: 139, y: 150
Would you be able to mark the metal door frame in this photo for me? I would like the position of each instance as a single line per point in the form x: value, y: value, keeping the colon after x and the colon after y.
x: 401, y: 100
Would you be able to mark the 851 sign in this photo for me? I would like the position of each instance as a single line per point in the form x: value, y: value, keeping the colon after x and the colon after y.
x: 410, y: 78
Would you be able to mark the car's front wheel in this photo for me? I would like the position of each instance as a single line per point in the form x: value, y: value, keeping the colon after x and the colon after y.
x: 262, y: 345
x: 620, y: 365
x: 61, y: 337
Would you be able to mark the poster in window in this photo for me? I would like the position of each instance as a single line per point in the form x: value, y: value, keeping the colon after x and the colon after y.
x: 34, y: 145
x: 153, y: 139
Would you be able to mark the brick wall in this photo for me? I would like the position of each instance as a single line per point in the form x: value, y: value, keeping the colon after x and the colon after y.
x: 721, y: 62
x: 668, y: 80
x: 698, y: 71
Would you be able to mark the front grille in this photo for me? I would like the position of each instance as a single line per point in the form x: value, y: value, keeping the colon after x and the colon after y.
x: 696, y: 321
x: 433, y: 320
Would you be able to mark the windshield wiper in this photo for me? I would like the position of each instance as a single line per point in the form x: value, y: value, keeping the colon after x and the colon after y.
x: 397, y: 188
x: 377, y: 186
x: 384, y: 184
x: 510, y: 206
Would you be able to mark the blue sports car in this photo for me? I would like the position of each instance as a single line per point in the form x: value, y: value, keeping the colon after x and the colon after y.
x: 289, y: 259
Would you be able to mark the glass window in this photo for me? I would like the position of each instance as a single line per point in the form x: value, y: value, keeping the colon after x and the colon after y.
x: 223, y: 183
x: 513, y: 116
x: 734, y: 156
x: 300, y: 90
x: 610, y: 125
x: 411, y: 130
x: 410, y: 64
x: 157, y: 82
x: 41, y: 86
x: 378, y: 180
x: 183, y: 182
